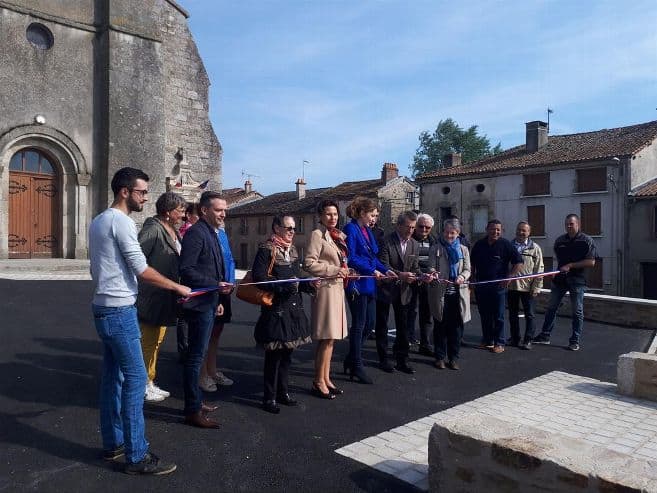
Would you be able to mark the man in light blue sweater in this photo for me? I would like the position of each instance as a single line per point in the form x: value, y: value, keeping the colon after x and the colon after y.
x: 116, y: 262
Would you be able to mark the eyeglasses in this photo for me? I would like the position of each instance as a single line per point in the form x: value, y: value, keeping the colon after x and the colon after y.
x: 291, y: 229
x: 422, y: 226
x: 140, y: 192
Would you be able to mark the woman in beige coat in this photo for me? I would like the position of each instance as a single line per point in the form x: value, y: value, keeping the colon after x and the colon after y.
x: 326, y: 256
x: 449, y: 302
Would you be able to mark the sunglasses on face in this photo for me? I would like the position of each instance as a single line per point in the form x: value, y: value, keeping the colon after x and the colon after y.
x: 290, y: 229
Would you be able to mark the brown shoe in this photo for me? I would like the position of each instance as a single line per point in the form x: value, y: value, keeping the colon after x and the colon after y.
x: 440, y: 364
x: 453, y: 365
x: 208, y: 408
x: 200, y: 420
x: 498, y: 349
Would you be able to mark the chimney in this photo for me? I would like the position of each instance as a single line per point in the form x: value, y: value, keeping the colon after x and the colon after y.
x: 452, y: 159
x: 248, y: 186
x: 301, y: 188
x: 389, y: 172
x: 536, y: 135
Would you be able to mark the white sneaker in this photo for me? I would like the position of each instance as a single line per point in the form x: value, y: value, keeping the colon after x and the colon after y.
x: 222, y: 379
x: 207, y: 384
x: 157, y: 390
x: 151, y: 396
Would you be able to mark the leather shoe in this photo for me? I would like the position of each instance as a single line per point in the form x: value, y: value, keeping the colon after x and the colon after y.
x: 200, y: 420
x: 386, y: 367
x: 440, y: 364
x: 271, y: 407
x: 453, y: 365
x: 425, y: 350
x: 208, y: 408
x: 405, y: 368
x: 286, y: 400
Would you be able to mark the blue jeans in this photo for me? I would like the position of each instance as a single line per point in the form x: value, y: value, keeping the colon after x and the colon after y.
x: 491, y: 305
x: 122, y: 382
x: 576, y: 306
x: 199, y: 328
x: 363, y: 308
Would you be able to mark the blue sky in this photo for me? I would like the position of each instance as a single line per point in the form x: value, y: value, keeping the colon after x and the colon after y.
x: 349, y: 85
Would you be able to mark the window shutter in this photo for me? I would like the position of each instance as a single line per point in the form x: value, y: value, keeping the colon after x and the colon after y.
x: 536, y: 219
x: 591, y: 218
x: 536, y: 184
x: 592, y: 180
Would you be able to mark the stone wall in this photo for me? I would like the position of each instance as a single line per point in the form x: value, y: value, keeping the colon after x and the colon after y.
x: 186, y: 103
x: 616, y: 310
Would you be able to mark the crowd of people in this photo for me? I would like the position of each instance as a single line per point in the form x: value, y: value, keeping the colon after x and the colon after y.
x: 139, y: 279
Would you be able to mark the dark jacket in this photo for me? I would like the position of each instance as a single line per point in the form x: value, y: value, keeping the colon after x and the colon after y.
x: 157, y: 306
x: 362, y: 258
x: 392, y: 258
x: 284, y: 324
x: 201, y: 265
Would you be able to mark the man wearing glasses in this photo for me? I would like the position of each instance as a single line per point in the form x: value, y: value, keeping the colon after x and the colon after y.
x: 116, y: 261
x: 420, y: 302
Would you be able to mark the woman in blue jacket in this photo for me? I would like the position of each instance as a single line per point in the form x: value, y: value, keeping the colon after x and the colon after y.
x: 361, y: 293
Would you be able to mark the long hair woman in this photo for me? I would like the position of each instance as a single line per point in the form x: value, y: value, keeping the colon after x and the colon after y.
x: 361, y: 293
x: 326, y: 256
x: 283, y: 326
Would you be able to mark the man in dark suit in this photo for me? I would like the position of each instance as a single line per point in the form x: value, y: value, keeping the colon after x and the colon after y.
x: 201, y: 266
x: 399, y: 253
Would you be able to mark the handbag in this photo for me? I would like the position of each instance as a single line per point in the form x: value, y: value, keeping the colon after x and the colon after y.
x: 252, y: 294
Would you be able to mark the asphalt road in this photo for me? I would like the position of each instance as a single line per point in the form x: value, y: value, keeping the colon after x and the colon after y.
x: 49, y: 371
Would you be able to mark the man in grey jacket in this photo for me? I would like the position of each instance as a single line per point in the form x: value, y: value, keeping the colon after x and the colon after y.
x: 524, y: 290
x: 116, y: 261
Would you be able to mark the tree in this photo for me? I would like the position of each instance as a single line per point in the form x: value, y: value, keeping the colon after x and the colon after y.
x: 450, y: 137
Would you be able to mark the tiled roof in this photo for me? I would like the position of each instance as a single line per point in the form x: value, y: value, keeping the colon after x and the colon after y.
x: 648, y: 189
x: 280, y: 203
x: 350, y: 189
x: 236, y: 195
x: 560, y: 149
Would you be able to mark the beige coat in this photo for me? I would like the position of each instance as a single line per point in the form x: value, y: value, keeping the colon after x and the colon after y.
x: 329, y: 314
x: 438, y: 260
x: 532, y: 259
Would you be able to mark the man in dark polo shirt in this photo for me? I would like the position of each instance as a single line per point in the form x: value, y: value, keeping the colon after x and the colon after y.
x: 493, y: 257
x: 575, y: 252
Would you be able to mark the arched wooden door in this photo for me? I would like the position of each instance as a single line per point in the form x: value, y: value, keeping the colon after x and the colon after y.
x: 34, y: 200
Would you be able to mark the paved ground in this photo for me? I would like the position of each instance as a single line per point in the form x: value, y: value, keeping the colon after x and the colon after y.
x: 48, y: 391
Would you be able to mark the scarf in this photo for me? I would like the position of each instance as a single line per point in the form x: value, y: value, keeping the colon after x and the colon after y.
x: 336, y: 236
x: 454, y: 254
x: 282, y: 244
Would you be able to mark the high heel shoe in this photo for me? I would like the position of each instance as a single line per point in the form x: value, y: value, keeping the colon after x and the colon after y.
x: 335, y: 390
x: 360, y: 376
x: 317, y: 392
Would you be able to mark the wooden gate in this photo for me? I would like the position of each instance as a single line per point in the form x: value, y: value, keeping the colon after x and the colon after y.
x: 34, y: 198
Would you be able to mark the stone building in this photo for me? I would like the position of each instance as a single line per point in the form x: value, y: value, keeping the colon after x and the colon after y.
x: 590, y: 174
x: 641, y: 278
x: 87, y: 87
x: 248, y: 225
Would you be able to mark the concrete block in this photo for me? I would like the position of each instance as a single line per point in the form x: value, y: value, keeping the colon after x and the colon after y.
x: 637, y: 375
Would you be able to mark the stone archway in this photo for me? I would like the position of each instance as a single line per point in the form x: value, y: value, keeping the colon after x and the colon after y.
x: 74, y: 180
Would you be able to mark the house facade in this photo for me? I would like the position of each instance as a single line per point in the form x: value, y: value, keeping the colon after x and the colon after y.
x: 590, y: 174
x: 641, y: 278
x: 250, y: 224
x: 86, y: 88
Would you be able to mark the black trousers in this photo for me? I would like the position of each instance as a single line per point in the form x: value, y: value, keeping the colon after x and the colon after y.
x: 419, y: 306
x: 381, y: 329
x: 448, y: 332
x: 402, y: 338
x: 277, y: 365
x: 181, y: 337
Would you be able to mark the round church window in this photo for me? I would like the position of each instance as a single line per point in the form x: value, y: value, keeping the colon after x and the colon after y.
x: 39, y: 36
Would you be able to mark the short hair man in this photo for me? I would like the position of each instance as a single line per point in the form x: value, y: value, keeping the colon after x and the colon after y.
x: 491, y: 257
x: 575, y: 252
x: 399, y: 253
x: 524, y: 290
x: 116, y: 260
x: 419, y: 304
x: 202, y: 266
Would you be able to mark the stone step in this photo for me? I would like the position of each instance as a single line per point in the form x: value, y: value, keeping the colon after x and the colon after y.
x: 44, y: 265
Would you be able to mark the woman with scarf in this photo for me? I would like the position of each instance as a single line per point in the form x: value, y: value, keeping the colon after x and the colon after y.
x: 449, y: 297
x: 326, y: 256
x: 283, y: 326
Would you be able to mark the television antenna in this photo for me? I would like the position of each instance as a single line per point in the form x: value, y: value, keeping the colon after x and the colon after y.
x: 248, y: 175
